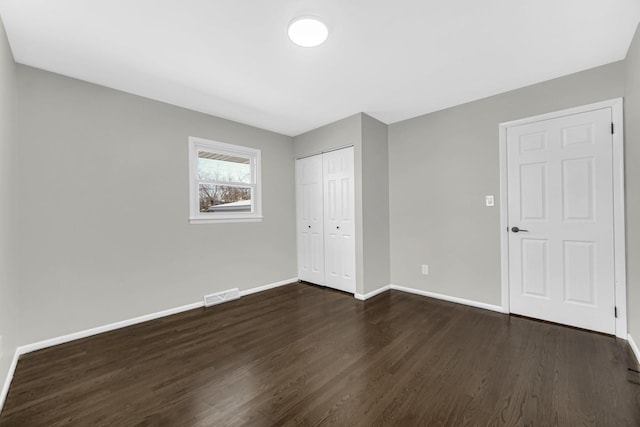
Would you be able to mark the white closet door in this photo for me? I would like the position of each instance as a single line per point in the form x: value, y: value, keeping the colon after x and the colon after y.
x: 339, y: 226
x: 310, y: 224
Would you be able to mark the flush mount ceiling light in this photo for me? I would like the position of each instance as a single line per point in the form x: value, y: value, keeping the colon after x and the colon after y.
x: 308, y: 31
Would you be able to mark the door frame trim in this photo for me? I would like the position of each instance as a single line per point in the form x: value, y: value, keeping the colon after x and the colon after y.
x: 617, y: 115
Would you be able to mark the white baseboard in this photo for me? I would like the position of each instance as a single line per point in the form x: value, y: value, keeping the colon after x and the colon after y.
x: 106, y: 328
x: 267, y: 287
x: 449, y: 298
x: 110, y: 327
x: 456, y: 300
x: 635, y: 348
x: 364, y: 297
x: 7, y: 381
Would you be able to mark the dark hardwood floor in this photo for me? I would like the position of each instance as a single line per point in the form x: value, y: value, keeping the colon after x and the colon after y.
x: 304, y: 355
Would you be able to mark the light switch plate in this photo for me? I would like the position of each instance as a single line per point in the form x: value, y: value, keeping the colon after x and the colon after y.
x: 489, y: 201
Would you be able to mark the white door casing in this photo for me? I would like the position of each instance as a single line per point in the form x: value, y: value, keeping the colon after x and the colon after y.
x: 310, y: 223
x: 339, y: 222
x: 562, y: 182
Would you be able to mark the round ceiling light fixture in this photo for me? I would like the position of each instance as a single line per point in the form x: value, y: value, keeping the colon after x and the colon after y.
x: 308, y: 31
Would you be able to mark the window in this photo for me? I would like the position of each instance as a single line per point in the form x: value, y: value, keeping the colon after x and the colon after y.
x: 224, y: 182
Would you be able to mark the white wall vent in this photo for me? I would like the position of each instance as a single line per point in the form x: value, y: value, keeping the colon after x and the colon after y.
x: 220, y: 297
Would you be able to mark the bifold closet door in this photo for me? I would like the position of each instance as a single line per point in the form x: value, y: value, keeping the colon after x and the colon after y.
x: 339, y: 224
x: 310, y: 222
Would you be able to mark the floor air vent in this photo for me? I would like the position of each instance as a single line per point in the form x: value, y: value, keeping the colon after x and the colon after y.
x: 221, y: 297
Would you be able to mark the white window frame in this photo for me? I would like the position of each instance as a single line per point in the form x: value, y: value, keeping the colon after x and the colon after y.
x: 253, y: 154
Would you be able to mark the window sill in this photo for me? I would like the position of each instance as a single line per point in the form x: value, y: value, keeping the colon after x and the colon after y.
x: 221, y: 220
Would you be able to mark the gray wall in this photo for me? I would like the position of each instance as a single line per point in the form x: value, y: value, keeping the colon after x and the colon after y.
x: 7, y: 281
x: 347, y: 131
x: 441, y: 165
x: 103, y: 205
x: 632, y: 184
x: 375, y: 199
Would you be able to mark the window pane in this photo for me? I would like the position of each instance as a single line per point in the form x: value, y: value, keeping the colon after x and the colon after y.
x: 224, y: 198
x: 219, y: 167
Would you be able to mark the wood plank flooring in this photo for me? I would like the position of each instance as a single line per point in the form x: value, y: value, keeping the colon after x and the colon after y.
x: 304, y: 355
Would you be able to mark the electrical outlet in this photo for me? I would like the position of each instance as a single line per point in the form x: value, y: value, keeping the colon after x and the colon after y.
x: 425, y: 269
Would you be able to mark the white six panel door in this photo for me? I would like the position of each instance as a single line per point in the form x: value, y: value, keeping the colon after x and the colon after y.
x: 339, y: 213
x: 561, y: 269
x: 310, y: 225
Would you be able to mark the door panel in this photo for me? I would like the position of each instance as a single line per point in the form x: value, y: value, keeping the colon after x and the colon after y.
x: 310, y: 224
x: 535, y: 267
x: 579, y: 272
x: 561, y: 266
x: 533, y: 183
x: 339, y: 213
x: 578, y: 192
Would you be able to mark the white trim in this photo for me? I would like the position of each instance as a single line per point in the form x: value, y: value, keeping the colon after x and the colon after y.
x: 364, y: 297
x: 477, y: 304
x: 326, y: 151
x: 634, y: 348
x: 566, y: 112
x: 28, y: 348
x: 268, y: 286
x: 9, y: 378
x: 448, y: 298
x: 619, y: 233
x: 504, y: 220
x: 223, y: 220
x: 124, y: 323
x: 106, y: 328
x: 616, y: 106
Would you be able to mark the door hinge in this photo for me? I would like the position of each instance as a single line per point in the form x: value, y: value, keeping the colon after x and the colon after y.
x: 615, y: 311
x: 611, y: 128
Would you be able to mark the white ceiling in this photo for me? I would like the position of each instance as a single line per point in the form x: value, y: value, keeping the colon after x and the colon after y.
x: 390, y: 59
